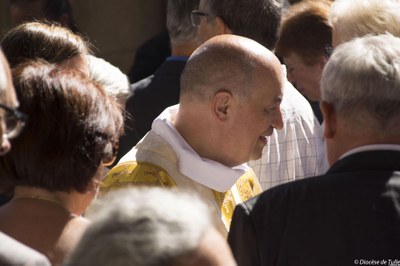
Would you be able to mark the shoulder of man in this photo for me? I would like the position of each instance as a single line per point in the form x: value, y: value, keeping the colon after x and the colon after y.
x: 133, y: 173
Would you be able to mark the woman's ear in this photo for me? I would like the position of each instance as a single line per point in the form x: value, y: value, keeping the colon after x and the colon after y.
x: 5, y: 146
x: 322, y: 62
x: 329, y: 115
x: 221, y: 104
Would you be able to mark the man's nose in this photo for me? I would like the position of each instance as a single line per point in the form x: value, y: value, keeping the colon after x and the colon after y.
x: 277, y: 121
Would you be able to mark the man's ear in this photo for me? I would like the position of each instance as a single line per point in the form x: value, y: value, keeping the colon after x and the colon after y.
x: 329, y: 115
x: 221, y: 26
x: 221, y: 105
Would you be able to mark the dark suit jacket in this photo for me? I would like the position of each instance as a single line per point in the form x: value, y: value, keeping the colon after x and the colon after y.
x: 150, y: 97
x: 350, y: 213
x: 149, y: 56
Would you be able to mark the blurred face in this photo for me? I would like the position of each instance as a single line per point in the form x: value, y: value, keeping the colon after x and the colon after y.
x: 304, y: 77
x: 257, y: 118
x: 25, y: 10
x: 8, y: 98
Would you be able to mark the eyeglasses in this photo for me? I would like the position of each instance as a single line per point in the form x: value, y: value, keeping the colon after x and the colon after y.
x: 328, y: 50
x: 14, y: 121
x: 195, y: 16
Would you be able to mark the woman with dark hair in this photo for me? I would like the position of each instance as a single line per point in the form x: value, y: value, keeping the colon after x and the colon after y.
x: 48, y: 41
x: 11, y: 124
x: 62, y: 46
x: 65, y: 48
x: 56, y: 163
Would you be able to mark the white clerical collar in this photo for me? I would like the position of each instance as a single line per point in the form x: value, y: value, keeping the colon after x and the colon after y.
x: 204, y: 171
x: 373, y: 147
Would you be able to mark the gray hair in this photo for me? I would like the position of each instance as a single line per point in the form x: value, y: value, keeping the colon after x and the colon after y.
x: 257, y: 19
x: 179, y: 25
x: 143, y: 226
x: 362, y: 81
x: 114, y: 82
x: 357, y: 18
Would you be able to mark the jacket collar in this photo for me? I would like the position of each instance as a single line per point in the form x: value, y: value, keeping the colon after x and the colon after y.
x: 368, y: 160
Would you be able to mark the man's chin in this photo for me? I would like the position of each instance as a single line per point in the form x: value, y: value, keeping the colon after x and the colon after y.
x: 258, y: 149
x: 256, y: 154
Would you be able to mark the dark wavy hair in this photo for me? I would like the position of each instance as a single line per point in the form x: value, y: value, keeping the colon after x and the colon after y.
x: 73, y: 128
x: 42, y: 39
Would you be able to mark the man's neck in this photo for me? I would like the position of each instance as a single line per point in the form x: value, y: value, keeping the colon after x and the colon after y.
x: 185, y: 49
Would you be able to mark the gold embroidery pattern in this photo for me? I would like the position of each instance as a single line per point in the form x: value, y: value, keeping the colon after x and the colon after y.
x: 246, y: 187
x: 226, y: 203
x: 135, y: 174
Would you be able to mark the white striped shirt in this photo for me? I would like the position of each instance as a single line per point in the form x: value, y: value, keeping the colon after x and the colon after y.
x: 296, y: 151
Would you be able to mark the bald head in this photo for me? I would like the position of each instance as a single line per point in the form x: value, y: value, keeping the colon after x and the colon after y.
x: 231, y: 89
x: 225, y: 62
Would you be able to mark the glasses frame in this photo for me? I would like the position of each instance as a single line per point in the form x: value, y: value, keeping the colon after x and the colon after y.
x: 328, y: 50
x: 19, y: 116
x: 195, y: 17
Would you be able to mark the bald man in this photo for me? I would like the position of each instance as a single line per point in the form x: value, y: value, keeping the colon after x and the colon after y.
x: 297, y: 151
x: 231, y: 90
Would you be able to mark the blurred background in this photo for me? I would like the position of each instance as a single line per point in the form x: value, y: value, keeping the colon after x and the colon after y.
x: 116, y: 28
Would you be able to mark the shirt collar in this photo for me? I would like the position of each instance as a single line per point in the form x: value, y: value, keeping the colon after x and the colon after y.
x: 373, y: 147
x: 207, y: 172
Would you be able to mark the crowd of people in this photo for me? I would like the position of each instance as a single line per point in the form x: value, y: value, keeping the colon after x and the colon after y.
x: 268, y: 136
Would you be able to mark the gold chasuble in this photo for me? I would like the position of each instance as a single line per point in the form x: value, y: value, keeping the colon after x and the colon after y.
x: 147, y: 174
x: 163, y: 158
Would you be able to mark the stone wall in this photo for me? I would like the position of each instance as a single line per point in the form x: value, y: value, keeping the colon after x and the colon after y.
x: 115, y: 27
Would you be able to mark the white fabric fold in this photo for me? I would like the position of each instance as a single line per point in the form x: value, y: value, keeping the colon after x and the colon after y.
x: 204, y: 171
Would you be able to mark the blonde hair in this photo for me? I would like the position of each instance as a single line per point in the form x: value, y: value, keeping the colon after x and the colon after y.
x: 362, y: 81
x: 357, y: 18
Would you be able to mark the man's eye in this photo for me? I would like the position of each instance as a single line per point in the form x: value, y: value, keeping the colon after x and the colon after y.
x: 270, y: 110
